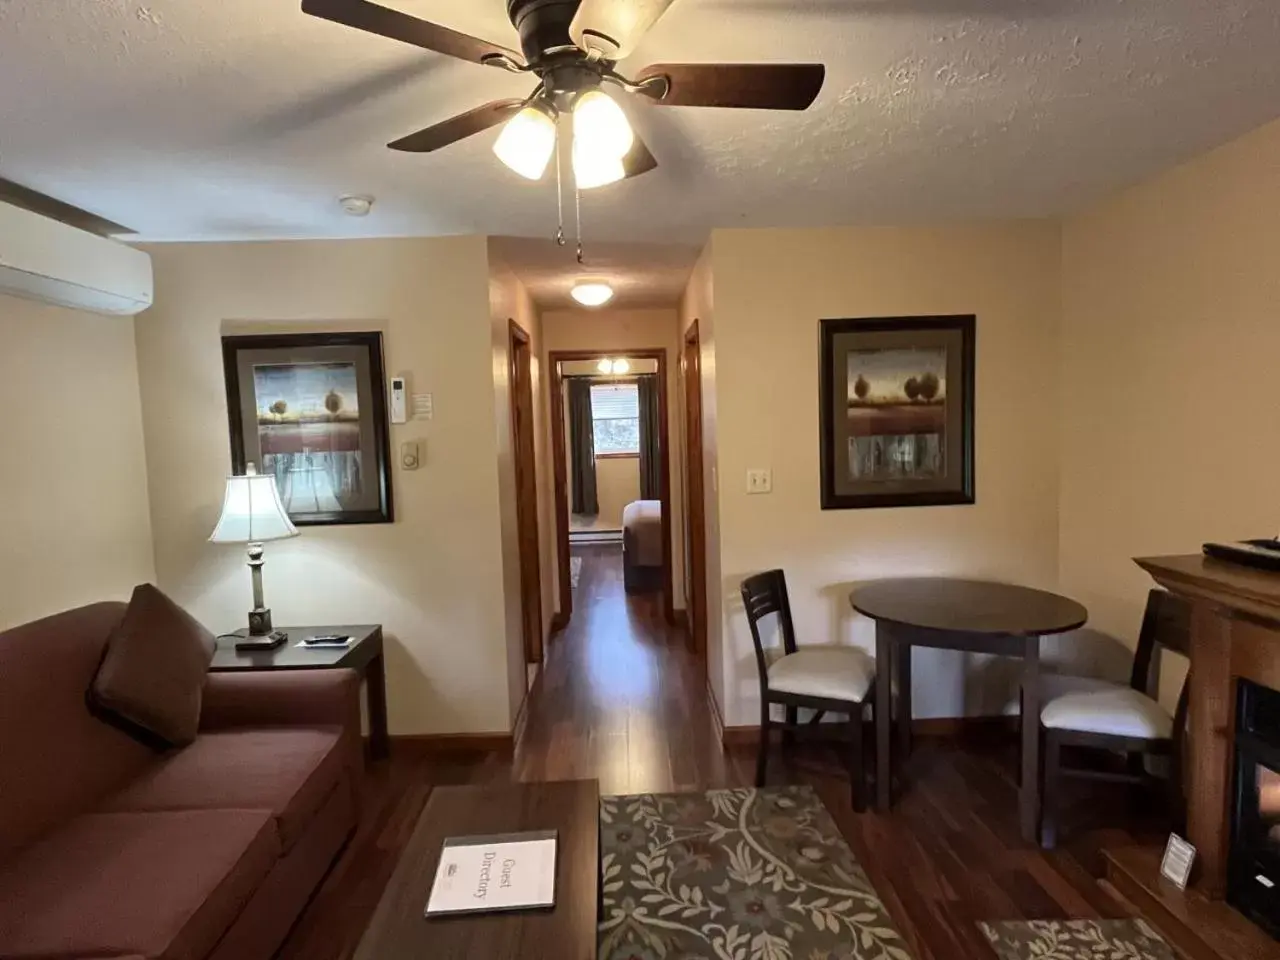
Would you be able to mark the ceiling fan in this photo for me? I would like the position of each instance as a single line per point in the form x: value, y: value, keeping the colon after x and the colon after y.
x: 573, y: 47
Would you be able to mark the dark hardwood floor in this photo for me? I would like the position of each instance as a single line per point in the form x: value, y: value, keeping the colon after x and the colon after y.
x: 620, y: 700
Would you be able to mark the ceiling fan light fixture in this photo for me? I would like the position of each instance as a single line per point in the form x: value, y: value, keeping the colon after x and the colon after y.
x: 527, y: 142
x: 591, y: 170
x: 600, y: 125
x: 592, y: 293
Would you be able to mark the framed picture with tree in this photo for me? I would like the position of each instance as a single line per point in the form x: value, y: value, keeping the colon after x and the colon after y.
x: 310, y: 409
x: 897, y: 411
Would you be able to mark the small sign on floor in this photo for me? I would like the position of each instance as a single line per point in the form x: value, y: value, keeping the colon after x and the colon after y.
x: 1179, y: 857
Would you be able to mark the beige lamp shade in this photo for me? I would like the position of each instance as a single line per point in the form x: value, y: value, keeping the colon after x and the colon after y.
x: 252, y: 512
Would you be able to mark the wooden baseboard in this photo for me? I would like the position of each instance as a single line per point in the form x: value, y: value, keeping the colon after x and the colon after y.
x: 943, y: 728
x: 425, y: 744
x: 717, y: 717
x: 1199, y: 927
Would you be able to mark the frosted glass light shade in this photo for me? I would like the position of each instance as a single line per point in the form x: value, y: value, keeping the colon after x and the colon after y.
x: 592, y: 294
x: 591, y: 170
x: 252, y: 512
x: 600, y: 126
x: 527, y: 141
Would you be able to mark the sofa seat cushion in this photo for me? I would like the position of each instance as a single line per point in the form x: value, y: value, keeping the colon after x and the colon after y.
x: 160, y: 885
x: 290, y: 772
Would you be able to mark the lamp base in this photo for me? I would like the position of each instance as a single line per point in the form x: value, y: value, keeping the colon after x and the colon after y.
x: 268, y: 642
x: 261, y: 636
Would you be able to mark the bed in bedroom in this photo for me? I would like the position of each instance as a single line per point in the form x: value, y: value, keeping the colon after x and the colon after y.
x: 642, y: 546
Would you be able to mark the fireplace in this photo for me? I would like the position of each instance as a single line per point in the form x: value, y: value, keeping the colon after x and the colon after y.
x: 1253, y: 862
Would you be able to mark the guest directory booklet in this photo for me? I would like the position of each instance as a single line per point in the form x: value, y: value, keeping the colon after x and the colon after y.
x: 514, y: 871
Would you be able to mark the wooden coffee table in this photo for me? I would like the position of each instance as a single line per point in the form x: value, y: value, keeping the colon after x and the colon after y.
x: 399, y: 931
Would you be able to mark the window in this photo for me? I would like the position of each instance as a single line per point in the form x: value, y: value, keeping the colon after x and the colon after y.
x: 615, y: 419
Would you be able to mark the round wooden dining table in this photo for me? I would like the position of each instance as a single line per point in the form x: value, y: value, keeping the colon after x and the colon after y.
x: 976, y: 616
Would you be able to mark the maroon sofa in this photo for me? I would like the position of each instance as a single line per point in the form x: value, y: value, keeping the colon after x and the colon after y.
x: 109, y: 849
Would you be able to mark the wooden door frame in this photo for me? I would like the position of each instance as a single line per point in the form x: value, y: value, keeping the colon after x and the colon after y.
x: 695, y: 559
x: 526, y: 468
x: 555, y: 383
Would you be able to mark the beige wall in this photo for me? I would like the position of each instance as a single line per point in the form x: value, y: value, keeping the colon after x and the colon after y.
x: 771, y: 289
x: 698, y: 305
x: 1170, y: 336
x: 434, y: 578
x: 617, y: 484
x: 619, y: 331
x: 74, y: 526
x: 510, y: 301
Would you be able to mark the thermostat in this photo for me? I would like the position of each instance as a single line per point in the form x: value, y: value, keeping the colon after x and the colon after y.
x: 399, y: 400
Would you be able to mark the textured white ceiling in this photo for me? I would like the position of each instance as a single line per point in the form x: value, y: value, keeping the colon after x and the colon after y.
x: 246, y: 118
x: 641, y: 274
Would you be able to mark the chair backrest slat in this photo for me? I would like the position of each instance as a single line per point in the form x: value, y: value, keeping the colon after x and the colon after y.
x: 1165, y: 623
x: 763, y: 594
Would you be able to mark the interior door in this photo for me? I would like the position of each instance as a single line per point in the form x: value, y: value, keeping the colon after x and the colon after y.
x: 522, y: 438
x: 696, y: 542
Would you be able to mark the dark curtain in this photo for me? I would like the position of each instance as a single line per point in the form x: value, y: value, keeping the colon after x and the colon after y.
x: 650, y: 448
x: 582, y: 450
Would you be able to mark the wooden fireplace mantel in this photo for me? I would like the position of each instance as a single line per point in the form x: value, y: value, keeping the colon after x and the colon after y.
x: 1235, y: 632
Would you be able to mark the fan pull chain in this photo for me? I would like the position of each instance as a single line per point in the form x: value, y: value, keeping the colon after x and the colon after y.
x: 559, y: 199
x: 577, y: 203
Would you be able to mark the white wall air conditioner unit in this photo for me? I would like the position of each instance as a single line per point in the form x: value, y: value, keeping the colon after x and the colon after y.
x: 43, y: 259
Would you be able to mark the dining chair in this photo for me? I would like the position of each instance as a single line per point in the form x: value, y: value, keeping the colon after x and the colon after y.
x: 1123, y: 719
x: 825, y: 679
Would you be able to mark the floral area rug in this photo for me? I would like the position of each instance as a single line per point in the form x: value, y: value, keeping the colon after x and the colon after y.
x: 735, y: 875
x: 1076, y: 940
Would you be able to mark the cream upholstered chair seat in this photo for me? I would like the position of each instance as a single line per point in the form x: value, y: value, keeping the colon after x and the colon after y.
x: 1055, y: 685
x: 834, y: 673
x: 1119, y: 712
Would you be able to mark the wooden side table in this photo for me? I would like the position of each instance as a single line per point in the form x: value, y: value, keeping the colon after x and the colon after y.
x: 363, y: 655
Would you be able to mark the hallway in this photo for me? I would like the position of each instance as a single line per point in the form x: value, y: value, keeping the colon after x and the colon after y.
x: 620, y: 698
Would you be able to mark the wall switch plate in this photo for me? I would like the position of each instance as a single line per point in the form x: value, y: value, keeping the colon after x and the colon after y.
x: 410, y: 455
x: 759, y: 481
x: 423, y: 406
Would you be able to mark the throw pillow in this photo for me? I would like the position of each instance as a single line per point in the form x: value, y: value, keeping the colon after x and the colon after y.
x: 152, y: 674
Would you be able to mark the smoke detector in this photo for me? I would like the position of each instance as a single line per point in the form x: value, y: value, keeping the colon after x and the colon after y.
x: 356, y: 205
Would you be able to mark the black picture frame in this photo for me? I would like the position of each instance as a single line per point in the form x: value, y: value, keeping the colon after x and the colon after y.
x: 365, y: 351
x: 838, y: 339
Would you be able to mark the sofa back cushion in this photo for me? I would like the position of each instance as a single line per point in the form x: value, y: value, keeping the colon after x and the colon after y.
x: 56, y: 760
x: 152, y: 675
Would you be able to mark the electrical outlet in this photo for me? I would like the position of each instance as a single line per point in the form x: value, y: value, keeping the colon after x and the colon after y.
x: 759, y: 481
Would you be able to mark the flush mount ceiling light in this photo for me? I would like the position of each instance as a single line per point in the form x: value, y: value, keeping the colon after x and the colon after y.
x: 592, y: 294
x: 614, y: 367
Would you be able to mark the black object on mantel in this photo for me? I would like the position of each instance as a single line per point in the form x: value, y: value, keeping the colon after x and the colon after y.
x: 1263, y: 554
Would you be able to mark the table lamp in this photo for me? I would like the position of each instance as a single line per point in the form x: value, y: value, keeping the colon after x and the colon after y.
x: 253, y: 514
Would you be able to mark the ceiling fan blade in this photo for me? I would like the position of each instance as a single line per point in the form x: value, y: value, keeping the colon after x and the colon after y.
x: 395, y: 25
x: 638, y: 160
x: 17, y: 195
x: 759, y: 86
x: 458, y: 128
x: 613, y: 28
